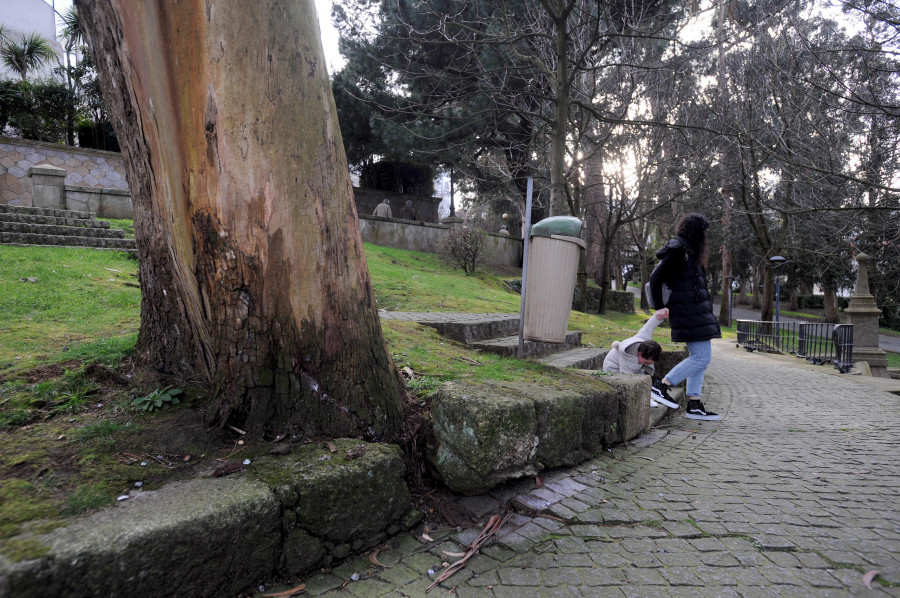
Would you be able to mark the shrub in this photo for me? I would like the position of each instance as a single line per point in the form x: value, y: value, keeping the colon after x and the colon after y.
x: 463, y: 248
x: 818, y: 302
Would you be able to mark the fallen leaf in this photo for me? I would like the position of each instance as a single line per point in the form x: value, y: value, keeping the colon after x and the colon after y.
x: 331, y: 447
x: 869, y: 577
x: 373, y: 558
x: 238, y: 430
x: 282, y: 449
x: 278, y: 438
x: 455, y: 555
x: 291, y: 592
x: 538, y: 482
x: 356, y: 452
x: 409, y: 373
x: 427, y: 538
x: 227, y: 470
x: 186, y: 458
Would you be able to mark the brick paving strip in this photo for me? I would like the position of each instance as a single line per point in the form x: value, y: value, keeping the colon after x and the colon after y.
x: 796, y: 492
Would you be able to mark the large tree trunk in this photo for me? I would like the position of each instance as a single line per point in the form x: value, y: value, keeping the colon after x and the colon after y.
x: 251, y: 260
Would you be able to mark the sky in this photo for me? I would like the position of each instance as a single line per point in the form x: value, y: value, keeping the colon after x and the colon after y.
x: 323, y: 8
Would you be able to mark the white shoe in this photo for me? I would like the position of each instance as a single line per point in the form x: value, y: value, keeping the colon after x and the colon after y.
x: 653, y: 403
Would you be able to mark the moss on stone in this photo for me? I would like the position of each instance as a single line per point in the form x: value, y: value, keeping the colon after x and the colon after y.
x: 492, y: 431
x: 335, y: 498
x: 23, y: 549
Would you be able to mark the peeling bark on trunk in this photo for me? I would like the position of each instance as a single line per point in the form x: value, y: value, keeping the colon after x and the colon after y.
x: 251, y: 262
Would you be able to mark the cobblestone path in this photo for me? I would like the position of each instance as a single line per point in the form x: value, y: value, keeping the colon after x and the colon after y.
x: 796, y: 492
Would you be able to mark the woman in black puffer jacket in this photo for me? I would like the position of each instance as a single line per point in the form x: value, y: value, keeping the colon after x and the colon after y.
x: 681, y: 267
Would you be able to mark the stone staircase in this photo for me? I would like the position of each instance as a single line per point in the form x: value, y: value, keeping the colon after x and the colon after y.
x: 66, y: 228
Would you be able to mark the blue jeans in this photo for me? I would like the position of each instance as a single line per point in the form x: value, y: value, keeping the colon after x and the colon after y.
x: 693, y: 368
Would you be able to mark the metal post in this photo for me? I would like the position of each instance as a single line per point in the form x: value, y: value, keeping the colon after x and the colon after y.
x: 777, y: 262
x: 729, y: 280
x: 777, y: 297
x: 526, y: 236
x: 452, y: 206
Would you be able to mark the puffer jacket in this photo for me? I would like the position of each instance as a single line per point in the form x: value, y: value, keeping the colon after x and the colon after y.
x: 690, y: 306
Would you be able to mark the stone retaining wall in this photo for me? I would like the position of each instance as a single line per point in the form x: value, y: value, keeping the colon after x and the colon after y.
x: 88, y: 168
x: 426, y: 207
x: 424, y: 236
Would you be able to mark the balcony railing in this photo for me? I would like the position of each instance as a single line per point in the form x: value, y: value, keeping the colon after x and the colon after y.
x: 817, y: 343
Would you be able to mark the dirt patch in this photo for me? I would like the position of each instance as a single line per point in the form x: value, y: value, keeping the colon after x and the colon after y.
x: 46, y: 372
x: 78, y: 449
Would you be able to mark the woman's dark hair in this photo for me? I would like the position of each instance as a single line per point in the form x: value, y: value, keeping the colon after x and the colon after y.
x: 692, y: 227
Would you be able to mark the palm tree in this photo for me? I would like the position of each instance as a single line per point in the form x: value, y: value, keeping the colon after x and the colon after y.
x: 73, y: 36
x: 71, y: 28
x: 31, y: 52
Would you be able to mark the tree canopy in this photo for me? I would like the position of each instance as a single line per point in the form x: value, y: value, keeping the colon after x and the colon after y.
x: 776, y: 119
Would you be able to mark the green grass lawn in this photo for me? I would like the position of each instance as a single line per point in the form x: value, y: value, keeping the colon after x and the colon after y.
x: 65, y: 303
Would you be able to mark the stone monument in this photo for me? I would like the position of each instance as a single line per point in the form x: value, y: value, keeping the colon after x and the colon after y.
x: 864, y: 316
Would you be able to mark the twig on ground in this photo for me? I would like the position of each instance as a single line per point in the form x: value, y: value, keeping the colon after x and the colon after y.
x: 493, y: 526
x: 468, y: 360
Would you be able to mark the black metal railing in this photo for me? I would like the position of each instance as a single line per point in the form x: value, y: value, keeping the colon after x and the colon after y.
x: 815, y: 342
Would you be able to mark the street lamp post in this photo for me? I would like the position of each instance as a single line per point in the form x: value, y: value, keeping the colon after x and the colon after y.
x: 730, y: 281
x: 777, y: 261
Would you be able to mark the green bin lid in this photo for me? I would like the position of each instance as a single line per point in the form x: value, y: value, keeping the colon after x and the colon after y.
x: 568, y: 226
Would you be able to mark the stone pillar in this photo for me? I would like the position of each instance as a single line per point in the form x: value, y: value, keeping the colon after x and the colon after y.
x: 48, y: 187
x: 452, y: 221
x: 864, y: 317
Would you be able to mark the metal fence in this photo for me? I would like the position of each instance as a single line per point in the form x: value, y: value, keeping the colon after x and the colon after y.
x: 817, y: 343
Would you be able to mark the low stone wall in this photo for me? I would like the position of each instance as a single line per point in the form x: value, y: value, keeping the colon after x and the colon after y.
x: 83, y: 167
x: 424, y: 236
x: 619, y: 301
x: 106, y: 203
x: 426, y: 207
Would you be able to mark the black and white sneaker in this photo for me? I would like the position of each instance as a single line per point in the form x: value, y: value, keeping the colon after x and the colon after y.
x: 660, y: 392
x: 696, y: 410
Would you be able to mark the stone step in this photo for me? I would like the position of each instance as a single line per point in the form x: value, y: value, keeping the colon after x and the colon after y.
x: 65, y: 241
x: 582, y: 358
x: 31, y: 211
x: 68, y: 231
x: 52, y: 220
x: 509, y: 345
x: 465, y: 328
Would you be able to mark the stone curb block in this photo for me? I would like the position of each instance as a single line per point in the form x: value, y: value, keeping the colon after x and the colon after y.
x: 283, y: 516
x: 484, y: 434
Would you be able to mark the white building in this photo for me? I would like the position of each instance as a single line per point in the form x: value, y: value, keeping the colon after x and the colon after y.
x: 19, y: 17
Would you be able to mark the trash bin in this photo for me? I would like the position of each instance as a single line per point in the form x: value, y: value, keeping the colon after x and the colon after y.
x: 550, y: 279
